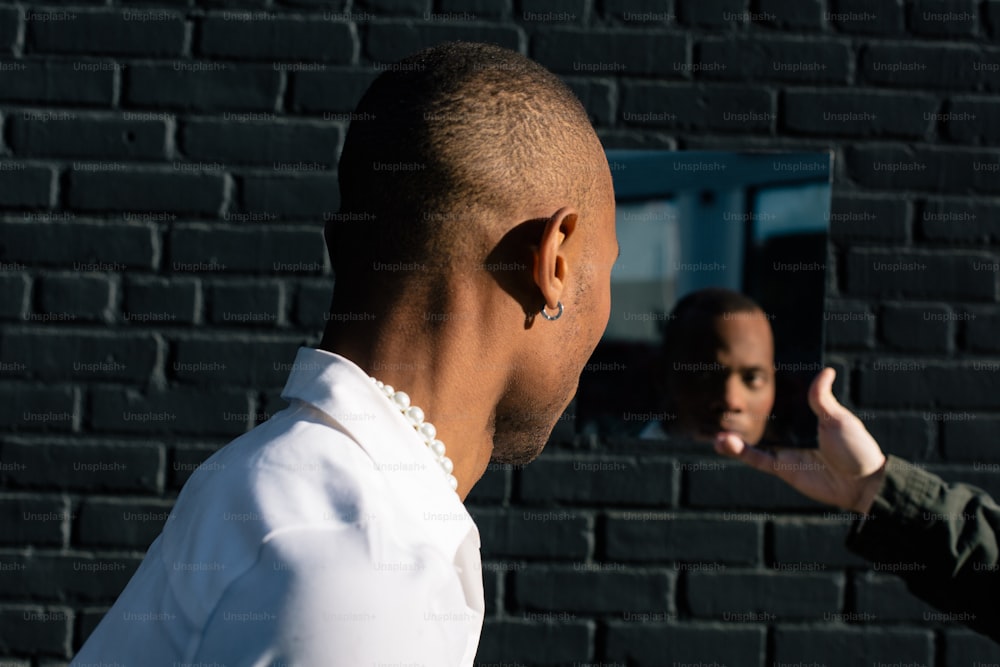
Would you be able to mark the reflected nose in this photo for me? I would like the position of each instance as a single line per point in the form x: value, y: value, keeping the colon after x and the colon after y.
x: 734, y: 397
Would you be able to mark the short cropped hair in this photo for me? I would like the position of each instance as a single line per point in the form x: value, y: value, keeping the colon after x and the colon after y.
x: 446, y: 143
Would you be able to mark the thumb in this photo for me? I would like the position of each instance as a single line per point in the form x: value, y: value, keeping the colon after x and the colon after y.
x: 732, y: 447
x: 821, y: 399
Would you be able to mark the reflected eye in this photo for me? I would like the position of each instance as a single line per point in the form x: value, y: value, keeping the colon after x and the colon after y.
x: 755, y: 379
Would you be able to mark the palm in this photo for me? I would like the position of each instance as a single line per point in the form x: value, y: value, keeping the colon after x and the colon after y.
x: 838, y: 472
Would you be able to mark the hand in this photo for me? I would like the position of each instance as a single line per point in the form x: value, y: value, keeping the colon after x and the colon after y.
x: 848, y: 468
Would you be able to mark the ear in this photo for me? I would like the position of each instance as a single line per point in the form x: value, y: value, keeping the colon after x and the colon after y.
x: 550, y: 264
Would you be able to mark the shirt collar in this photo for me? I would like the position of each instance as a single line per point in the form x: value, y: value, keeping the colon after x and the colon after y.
x: 344, y: 392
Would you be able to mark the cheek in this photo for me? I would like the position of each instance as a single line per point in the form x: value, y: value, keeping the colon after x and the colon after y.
x: 763, y: 401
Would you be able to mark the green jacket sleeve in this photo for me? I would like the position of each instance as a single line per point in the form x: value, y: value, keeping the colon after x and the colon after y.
x: 940, y: 538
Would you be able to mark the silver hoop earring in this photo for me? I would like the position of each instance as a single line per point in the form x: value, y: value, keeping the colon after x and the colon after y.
x: 553, y: 318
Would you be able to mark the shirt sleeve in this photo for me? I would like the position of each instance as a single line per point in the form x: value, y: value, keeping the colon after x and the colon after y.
x: 940, y: 538
x: 337, y: 597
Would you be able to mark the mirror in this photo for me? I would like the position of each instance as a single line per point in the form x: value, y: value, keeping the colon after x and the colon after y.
x: 717, y: 299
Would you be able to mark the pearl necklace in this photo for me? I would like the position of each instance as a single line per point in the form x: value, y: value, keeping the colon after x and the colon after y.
x: 415, y: 416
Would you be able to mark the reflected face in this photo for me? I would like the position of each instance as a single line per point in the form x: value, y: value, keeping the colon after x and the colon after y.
x: 726, y: 382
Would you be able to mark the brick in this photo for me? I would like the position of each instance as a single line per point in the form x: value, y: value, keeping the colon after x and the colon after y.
x: 909, y: 436
x: 857, y: 113
x: 10, y: 22
x: 598, y: 97
x: 640, y: 11
x: 186, y: 460
x: 627, y: 52
x: 652, y: 536
x: 389, y: 41
x: 56, y: 82
x: 253, y: 250
x: 968, y: 437
x: 848, y: 325
x: 813, y: 544
x: 121, y: 522
x: 392, y: 7
x: 939, y: 18
x: 134, y: 467
x: 282, y: 146
x: 929, y: 66
x: 899, y: 383
x: 714, y: 13
x: 542, y: 14
x: 964, y: 647
x: 850, y: 647
x: 536, y: 642
x: 991, y: 12
x: 84, y: 246
x: 517, y: 534
x: 493, y: 488
x: 219, y: 412
x: 744, y: 59
x: 959, y: 221
x: 282, y: 38
x: 972, y: 120
x: 159, y: 301
x: 929, y: 170
x: 68, y: 134
x: 88, y: 619
x: 22, y: 186
x: 94, y: 356
x: 41, y: 521
x: 280, y: 196
x: 334, y: 90
x: 202, y: 86
x: 771, y: 596
x: 602, y: 480
x: 857, y: 219
x: 38, y: 408
x: 718, y: 484
x: 245, y: 303
x: 130, y: 31
x: 980, y: 331
x: 224, y: 361
x: 84, y: 297
x: 650, y: 644
x: 872, y: 17
x: 696, y: 107
x: 905, y: 274
x: 13, y: 295
x: 475, y: 9
x: 67, y: 577
x: 884, y: 598
x: 917, y: 328
x: 35, y: 629
x: 312, y: 304
x: 578, y: 590
x: 618, y: 139
x: 492, y: 588
x: 790, y: 14
x: 158, y: 192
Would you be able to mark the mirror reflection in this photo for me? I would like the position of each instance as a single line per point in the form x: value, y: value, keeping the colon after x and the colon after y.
x: 717, y: 300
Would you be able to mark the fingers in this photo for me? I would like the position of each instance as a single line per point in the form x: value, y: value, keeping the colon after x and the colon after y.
x: 733, y: 447
x: 821, y: 399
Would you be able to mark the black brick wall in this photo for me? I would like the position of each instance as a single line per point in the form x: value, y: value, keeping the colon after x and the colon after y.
x: 165, y: 167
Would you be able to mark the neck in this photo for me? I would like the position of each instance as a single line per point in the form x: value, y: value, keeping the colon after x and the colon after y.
x: 441, y: 361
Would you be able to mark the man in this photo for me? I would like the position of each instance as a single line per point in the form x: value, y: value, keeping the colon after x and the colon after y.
x: 473, y: 255
x: 719, y: 367
x: 940, y: 538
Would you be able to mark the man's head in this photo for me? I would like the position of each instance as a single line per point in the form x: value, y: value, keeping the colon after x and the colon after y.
x: 720, y: 365
x: 473, y: 176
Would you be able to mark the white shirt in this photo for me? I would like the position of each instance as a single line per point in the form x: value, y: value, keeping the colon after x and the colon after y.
x: 328, y: 535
